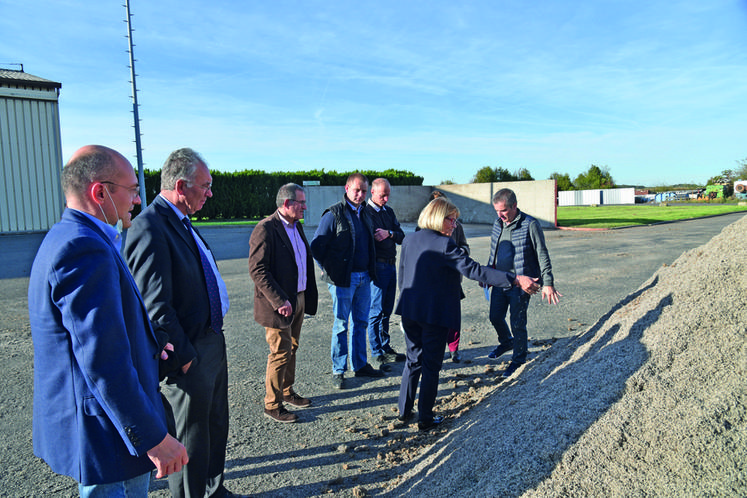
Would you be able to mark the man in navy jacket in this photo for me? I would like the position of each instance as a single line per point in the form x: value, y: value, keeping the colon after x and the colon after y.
x: 343, y: 245
x: 98, y: 415
x: 387, y: 235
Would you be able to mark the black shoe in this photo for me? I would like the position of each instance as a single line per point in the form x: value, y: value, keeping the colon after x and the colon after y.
x: 393, y: 356
x: 512, y: 367
x: 426, y: 426
x: 381, y: 360
x: 500, y: 349
x: 368, y: 371
x: 338, y: 381
x: 405, y: 418
x: 455, y: 356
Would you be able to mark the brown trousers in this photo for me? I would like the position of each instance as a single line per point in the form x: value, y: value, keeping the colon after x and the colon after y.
x: 281, y: 362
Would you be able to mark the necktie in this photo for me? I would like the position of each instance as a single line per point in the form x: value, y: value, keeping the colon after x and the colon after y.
x: 216, y: 311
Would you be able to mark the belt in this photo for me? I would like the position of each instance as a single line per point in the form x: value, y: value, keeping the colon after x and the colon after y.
x: 389, y: 261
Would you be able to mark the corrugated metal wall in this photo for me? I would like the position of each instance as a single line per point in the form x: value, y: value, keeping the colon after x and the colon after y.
x: 602, y: 196
x: 31, y: 156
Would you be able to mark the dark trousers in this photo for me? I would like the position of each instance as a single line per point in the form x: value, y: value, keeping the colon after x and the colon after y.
x: 425, y: 356
x: 199, y: 402
x: 515, y: 301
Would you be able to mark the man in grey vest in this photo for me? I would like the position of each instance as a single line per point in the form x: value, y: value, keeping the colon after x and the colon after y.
x: 517, y: 245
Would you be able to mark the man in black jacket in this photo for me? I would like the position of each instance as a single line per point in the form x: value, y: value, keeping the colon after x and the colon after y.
x: 343, y: 245
x: 387, y: 234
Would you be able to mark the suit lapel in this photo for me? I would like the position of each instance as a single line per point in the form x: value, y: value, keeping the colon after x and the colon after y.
x: 176, y: 224
x: 280, y: 229
x: 123, y: 268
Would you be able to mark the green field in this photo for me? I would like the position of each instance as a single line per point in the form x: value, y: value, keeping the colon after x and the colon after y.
x: 600, y: 216
x: 619, y: 216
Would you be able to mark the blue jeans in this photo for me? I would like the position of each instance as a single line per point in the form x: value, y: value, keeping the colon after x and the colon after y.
x: 515, y: 301
x: 137, y: 486
x: 383, y: 291
x: 346, y: 302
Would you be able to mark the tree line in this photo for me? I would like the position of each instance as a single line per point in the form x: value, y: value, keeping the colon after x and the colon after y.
x: 595, y: 177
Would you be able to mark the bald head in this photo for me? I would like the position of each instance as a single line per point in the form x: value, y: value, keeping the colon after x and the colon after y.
x: 89, y: 164
x: 380, y: 190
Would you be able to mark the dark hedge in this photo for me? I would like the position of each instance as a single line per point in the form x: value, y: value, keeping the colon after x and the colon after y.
x: 251, y: 194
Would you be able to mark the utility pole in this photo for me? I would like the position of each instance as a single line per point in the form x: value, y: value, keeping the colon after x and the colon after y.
x: 135, y: 105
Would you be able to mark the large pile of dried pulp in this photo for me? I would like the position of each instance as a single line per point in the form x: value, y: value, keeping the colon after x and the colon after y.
x: 650, y: 401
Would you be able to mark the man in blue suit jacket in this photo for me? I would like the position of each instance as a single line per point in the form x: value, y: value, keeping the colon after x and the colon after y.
x: 98, y: 414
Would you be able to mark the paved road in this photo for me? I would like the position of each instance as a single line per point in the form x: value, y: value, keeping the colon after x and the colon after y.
x: 594, y: 270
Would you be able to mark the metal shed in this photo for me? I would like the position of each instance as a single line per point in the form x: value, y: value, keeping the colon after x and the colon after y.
x: 30, y: 152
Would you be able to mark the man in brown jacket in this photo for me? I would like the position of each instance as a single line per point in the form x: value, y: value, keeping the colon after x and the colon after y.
x: 281, y: 266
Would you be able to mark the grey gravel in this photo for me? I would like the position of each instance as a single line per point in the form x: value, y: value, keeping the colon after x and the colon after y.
x: 636, y: 386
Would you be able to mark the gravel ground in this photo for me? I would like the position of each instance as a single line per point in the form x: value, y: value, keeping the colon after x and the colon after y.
x: 649, y: 401
x: 636, y: 387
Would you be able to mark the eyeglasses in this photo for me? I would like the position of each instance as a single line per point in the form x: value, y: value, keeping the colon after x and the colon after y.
x: 208, y: 187
x: 303, y: 203
x: 134, y: 190
x: 453, y: 221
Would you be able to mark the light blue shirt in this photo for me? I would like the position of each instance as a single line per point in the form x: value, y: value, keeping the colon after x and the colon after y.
x: 109, y: 230
x: 221, y: 284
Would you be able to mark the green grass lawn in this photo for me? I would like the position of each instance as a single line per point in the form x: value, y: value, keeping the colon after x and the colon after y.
x: 618, y: 216
x: 224, y: 223
x: 597, y: 217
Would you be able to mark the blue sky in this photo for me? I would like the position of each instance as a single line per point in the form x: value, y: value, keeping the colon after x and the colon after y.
x: 654, y: 90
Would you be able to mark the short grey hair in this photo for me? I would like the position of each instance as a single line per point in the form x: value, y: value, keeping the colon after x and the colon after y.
x: 287, y: 192
x: 84, y: 169
x: 380, y: 183
x: 505, y: 195
x: 180, y: 165
x: 356, y: 176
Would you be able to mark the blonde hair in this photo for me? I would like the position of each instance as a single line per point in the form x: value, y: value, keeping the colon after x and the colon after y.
x: 433, y: 215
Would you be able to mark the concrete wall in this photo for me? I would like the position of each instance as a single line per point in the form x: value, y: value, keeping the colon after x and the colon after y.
x: 406, y: 201
x: 536, y: 198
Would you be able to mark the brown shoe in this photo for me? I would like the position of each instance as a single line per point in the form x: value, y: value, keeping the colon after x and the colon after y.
x: 296, y: 400
x: 281, y: 415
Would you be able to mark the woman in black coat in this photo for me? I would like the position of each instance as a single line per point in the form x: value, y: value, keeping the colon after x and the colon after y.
x: 429, y: 302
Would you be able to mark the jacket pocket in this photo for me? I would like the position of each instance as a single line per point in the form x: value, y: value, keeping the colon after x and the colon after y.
x: 92, y: 408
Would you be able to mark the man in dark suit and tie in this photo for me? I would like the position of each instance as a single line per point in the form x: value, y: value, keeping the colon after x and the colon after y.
x: 186, y: 298
x: 98, y: 416
x: 282, y: 268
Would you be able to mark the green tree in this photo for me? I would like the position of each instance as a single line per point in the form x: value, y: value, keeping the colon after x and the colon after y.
x: 741, y: 172
x: 594, y: 178
x: 563, y: 181
x: 486, y: 174
x: 727, y: 176
x: 523, y: 175
x: 504, y: 175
